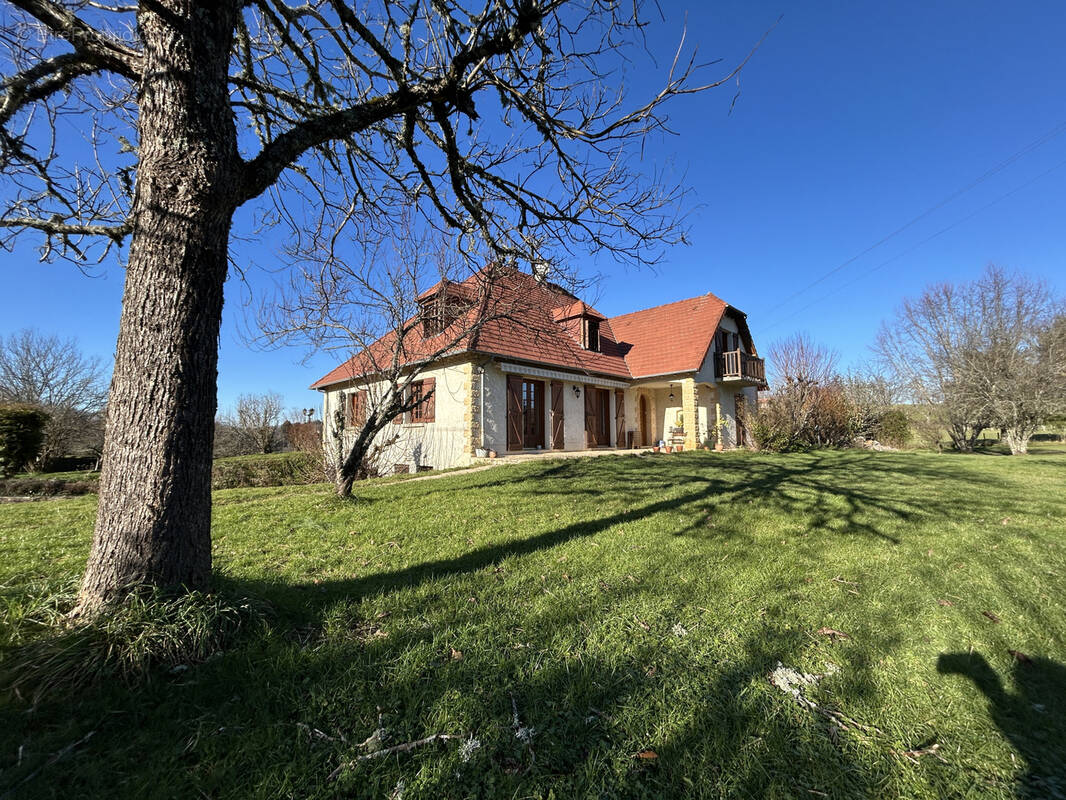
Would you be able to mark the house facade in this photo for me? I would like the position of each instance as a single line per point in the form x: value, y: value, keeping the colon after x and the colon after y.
x: 553, y: 374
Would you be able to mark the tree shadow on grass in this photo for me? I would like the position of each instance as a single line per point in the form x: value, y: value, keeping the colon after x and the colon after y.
x: 1032, y: 717
x: 588, y: 705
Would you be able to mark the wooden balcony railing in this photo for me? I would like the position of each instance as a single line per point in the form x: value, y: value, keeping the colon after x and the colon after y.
x: 736, y: 365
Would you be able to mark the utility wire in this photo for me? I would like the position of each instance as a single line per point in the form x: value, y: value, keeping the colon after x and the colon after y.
x: 1047, y: 137
x: 914, y: 247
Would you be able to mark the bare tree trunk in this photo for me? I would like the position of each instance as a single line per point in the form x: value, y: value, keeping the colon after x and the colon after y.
x: 1017, y: 439
x: 153, y: 523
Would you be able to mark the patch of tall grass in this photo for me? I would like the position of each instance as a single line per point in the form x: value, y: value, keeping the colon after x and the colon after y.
x: 43, y: 651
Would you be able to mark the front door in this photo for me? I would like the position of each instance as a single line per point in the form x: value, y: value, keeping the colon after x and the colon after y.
x: 533, y: 413
x: 525, y: 413
x: 597, y: 426
x: 741, y: 412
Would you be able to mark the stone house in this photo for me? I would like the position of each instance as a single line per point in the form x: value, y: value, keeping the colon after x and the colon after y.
x: 554, y: 374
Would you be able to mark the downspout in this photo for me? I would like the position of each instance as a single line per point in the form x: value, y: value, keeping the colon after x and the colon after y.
x: 481, y: 398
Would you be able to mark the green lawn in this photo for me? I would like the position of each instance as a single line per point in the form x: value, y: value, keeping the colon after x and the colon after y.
x: 622, y: 608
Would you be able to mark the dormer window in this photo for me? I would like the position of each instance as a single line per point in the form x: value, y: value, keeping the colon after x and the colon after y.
x: 438, y: 312
x: 582, y: 322
x: 592, y: 334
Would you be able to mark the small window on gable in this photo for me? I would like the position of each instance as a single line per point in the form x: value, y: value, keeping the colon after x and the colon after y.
x: 592, y: 334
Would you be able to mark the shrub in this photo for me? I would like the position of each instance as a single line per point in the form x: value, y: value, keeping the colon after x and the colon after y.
x: 831, y: 422
x: 894, y: 428
x: 802, y: 416
x: 21, y: 436
x: 276, y: 469
x: 771, y: 435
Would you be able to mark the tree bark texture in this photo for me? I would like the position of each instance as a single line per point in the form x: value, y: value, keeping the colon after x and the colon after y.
x: 153, y: 523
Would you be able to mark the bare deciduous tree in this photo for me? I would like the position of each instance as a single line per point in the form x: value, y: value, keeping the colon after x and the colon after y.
x: 55, y: 375
x: 985, y: 353
x: 924, y: 348
x: 871, y: 395
x: 1018, y: 359
x: 808, y: 406
x: 255, y: 423
x: 505, y: 121
x: 372, y: 301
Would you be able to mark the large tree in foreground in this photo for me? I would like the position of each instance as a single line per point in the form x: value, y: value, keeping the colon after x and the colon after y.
x: 502, y: 120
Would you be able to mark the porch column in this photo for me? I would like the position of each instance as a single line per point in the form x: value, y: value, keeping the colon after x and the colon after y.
x: 688, y: 412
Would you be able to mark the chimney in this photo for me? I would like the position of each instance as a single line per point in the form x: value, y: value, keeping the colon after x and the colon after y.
x: 541, y: 270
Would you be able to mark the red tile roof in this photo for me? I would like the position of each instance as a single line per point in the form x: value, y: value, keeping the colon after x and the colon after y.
x: 519, y: 325
x: 671, y: 338
x: 536, y: 321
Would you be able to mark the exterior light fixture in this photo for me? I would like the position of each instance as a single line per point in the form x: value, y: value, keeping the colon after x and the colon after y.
x: 577, y: 391
x: 671, y: 392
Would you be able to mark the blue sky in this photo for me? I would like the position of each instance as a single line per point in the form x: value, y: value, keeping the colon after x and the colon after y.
x: 852, y: 120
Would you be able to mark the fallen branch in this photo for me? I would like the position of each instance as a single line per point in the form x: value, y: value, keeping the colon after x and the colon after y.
x: 396, y: 748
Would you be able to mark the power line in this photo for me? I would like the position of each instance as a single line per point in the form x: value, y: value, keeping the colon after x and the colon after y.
x: 914, y: 247
x: 1044, y: 139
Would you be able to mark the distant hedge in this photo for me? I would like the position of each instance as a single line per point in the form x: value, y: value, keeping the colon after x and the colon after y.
x: 46, y: 487
x: 276, y: 469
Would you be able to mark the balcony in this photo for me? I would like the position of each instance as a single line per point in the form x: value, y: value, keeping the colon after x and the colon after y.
x: 736, y: 365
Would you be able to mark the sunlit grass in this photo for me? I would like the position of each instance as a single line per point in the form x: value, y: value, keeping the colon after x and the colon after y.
x: 622, y: 605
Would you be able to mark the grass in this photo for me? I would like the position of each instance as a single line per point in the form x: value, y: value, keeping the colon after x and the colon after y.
x: 618, y: 608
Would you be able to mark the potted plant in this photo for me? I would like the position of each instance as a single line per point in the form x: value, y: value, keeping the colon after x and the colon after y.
x: 492, y: 454
x: 679, y: 448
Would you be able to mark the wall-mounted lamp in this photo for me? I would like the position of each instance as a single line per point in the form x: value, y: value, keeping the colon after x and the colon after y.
x: 671, y: 392
x: 577, y: 391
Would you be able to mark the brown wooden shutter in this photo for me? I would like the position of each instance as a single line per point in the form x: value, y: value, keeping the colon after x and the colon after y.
x: 590, y: 417
x: 557, y: 415
x: 514, y: 413
x: 398, y: 419
x: 357, y: 408
x: 429, y: 405
x: 619, y: 418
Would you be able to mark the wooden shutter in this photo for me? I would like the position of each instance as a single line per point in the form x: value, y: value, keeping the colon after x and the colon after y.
x: 357, y: 408
x: 414, y: 395
x: 557, y: 415
x: 398, y: 419
x: 590, y: 417
x: 514, y: 413
x: 428, y: 408
x: 619, y: 418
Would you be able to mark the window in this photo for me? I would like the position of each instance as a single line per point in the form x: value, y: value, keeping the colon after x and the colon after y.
x: 439, y: 312
x: 357, y: 408
x: 592, y: 334
x: 422, y: 393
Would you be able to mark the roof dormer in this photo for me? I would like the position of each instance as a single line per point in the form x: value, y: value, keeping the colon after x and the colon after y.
x: 582, y: 322
x: 441, y: 306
